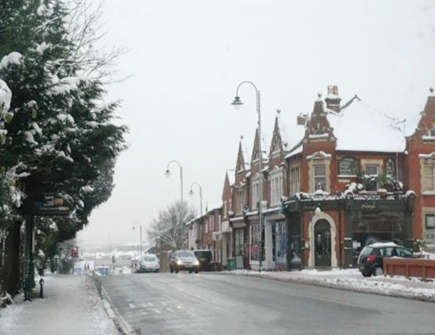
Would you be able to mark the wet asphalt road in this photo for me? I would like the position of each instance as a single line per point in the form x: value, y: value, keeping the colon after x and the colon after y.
x: 209, y: 303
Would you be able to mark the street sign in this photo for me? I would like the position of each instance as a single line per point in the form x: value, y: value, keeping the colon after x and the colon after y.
x: 51, y: 206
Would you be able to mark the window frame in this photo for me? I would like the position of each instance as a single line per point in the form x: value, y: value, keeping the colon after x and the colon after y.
x: 316, y: 177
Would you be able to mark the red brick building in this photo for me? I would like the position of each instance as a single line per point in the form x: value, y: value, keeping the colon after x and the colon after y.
x: 333, y: 191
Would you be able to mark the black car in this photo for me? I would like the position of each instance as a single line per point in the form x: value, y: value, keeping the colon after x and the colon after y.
x: 205, y: 258
x: 371, y: 258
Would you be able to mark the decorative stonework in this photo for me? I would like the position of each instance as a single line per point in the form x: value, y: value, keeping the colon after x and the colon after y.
x: 320, y: 215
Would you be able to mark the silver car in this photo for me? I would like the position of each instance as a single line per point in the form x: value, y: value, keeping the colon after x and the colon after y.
x: 183, y: 260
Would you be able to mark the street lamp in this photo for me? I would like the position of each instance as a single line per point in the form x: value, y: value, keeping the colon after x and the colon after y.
x: 200, y: 195
x: 140, y: 239
x: 237, y: 103
x: 168, y: 173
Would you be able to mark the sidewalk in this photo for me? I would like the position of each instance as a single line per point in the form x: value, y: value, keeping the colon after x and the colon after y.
x: 70, y: 306
x: 351, y: 279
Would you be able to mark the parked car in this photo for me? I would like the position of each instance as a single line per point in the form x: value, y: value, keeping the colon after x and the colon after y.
x: 102, y: 270
x: 149, y: 263
x: 205, y: 258
x: 371, y: 258
x: 183, y: 260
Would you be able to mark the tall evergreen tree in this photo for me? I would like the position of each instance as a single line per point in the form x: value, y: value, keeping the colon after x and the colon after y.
x: 61, y: 136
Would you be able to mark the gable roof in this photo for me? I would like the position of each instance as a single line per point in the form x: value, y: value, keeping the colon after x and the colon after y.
x: 240, y: 164
x: 363, y: 128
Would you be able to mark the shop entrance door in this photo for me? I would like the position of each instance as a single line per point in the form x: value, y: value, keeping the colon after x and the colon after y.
x: 322, y: 250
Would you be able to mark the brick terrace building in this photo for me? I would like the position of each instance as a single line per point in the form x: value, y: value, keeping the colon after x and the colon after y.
x: 328, y: 194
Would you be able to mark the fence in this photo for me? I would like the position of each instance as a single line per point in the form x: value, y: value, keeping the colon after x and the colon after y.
x: 410, y: 267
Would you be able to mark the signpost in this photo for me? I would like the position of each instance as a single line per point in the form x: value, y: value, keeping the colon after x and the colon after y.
x: 49, y: 205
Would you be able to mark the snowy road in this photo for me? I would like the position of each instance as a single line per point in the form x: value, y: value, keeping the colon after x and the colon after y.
x: 224, y: 304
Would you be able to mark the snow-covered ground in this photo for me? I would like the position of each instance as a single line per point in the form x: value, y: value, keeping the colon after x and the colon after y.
x: 71, y: 306
x: 353, y: 280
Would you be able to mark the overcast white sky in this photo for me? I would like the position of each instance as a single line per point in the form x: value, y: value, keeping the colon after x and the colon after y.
x: 187, y: 57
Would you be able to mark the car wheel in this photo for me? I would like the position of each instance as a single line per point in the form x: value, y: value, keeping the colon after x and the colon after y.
x: 196, y: 270
x: 172, y: 269
x: 379, y: 271
x: 177, y: 269
x: 190, y: 270
x: 366, y: 274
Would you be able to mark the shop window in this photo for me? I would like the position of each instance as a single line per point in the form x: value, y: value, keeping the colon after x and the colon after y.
x: 319, y: 172
x: 347, y: 167
x: 239, y: 242
x: 256, y: 242
x: 428, y: 177
x: 430, y: 228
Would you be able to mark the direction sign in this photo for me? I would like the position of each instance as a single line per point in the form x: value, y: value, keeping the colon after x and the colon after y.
x: 51, y: 206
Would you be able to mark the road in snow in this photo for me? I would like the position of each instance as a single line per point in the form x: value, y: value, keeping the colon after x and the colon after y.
x: 210, y: 303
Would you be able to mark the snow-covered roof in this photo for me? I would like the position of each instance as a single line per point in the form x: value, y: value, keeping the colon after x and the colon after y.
x: 363, y: 128
x: 291, y: 133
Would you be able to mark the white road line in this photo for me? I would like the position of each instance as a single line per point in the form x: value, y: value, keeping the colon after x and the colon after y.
x: 156, y: 311
x: 131, y: 305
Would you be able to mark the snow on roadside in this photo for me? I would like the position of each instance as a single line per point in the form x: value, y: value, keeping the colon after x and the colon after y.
x: 71, y: 306
x: 351, y: 279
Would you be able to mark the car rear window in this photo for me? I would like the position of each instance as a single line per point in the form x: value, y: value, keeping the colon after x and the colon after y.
x: 367, y: 251
x: 150, y: 259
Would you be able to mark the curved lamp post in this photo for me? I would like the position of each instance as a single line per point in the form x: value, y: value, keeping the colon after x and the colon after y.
x: 168, y: 173
x: 237, y: 103
x: 200, y: 195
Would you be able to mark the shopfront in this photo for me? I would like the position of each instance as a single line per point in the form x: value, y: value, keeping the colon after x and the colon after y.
x: 331, y: 233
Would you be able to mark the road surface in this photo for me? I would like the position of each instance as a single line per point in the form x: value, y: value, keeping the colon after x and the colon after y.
x: 210, y: 303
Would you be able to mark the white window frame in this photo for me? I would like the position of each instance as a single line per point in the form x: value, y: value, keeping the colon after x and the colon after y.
x: 316, y: 177
x: 428, y: 179
x: 294, y: 183
x: 276, y: 187
x: 371, y: 165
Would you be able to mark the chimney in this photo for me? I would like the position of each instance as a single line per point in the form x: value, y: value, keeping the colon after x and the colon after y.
x: 333, y: 99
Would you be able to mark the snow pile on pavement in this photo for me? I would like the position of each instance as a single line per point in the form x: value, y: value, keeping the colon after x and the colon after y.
x: 352, y: 279
x: 70, y: 306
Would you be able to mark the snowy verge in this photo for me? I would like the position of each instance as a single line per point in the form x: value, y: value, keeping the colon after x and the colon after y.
x: 351, y: 279
x: 112, y: 311
x: 70, y: 303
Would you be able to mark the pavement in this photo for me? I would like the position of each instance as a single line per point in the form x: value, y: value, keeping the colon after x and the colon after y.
x: 216, y: 303
x: 71, y: 306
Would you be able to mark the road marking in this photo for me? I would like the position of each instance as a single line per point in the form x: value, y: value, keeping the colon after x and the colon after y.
x: 169, y: 309
x: 156, y: 311
x: 131, y: 305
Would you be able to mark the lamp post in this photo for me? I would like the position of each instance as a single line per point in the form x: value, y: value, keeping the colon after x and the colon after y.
x: 140, y: 239
x: 168, y: 173
x: 237, y: 103
x: 200, y: 195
